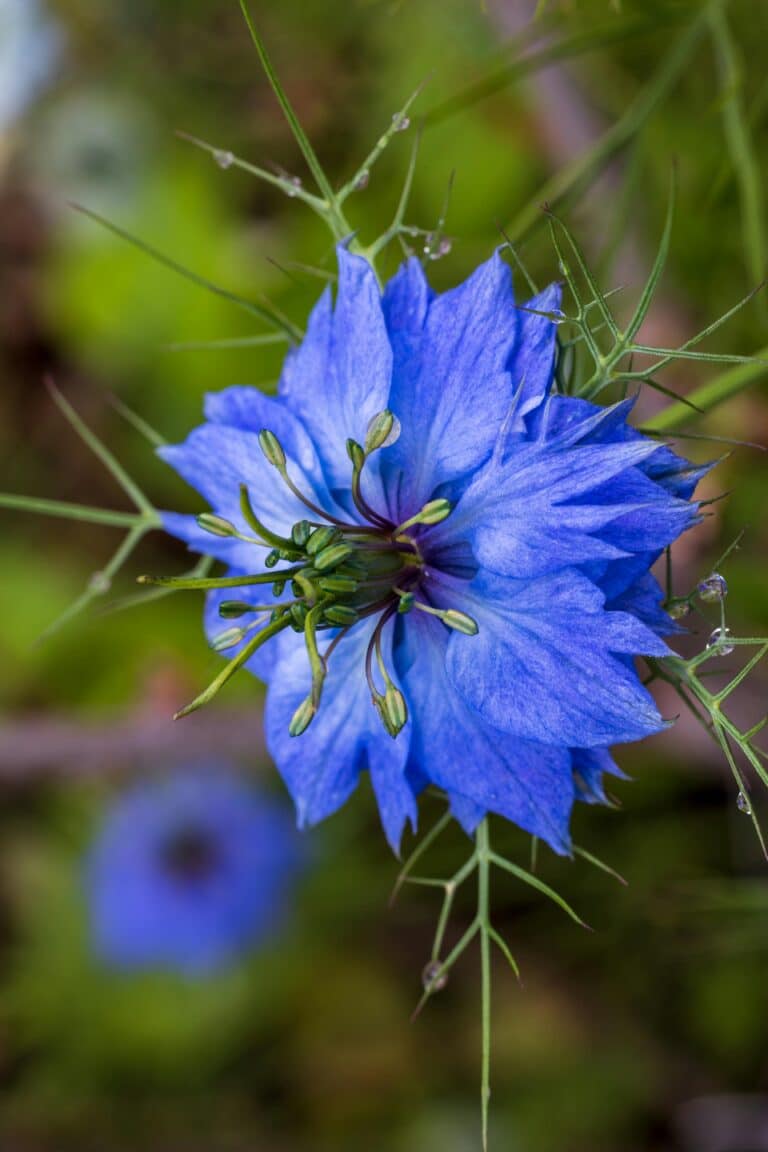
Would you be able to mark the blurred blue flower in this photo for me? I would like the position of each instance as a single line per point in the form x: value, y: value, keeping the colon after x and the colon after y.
x: 475, y: 547
x: 188, y: 871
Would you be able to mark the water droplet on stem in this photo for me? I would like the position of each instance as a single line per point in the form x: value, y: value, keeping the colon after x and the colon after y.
x: 743, y: 804
x: 433, y: 978
x: 713, y: 589
x: 719, y: 642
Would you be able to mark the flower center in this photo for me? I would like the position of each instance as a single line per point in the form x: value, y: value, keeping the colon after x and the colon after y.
x: 339, y: 573
x: 190, y: 855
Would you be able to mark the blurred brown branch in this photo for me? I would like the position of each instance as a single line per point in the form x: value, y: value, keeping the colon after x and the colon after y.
x: 44, y: 747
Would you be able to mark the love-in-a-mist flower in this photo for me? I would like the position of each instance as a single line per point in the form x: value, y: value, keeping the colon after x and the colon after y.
x: 188, y: 871
x: 440, y: 565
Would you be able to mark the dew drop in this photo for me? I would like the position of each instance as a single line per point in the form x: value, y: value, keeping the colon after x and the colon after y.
x: 713, y: 589
x: 99, y: 583
x: 294, y: 183
x: 362, y: 180
x: 223, y: 159
x: 678, y: 609
x: 743, y: 804
x: 719, y: 642
x: 401, y: 123
x: 430, y: 978
x: 435, y: 247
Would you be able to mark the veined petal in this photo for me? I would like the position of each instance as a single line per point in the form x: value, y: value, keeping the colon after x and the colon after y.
x: 532, y: 362
x: 217, y: 458
x: 322, y: 766
x: 339, y: 378
x: 520, y: 514
x: 547, y: 665
x: 481, y: 768
x: 457, y: 390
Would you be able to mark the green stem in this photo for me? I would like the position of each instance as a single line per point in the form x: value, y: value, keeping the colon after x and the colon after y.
x: 710, y: 395
x: 482, y: 842
x: 66, y: 511
x: 339, y: 225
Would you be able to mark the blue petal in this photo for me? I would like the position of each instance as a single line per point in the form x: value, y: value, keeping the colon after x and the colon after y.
x: 217, y: 458
x: 589, y: 767
x: 532, y: 362
x: 520, y: 516
x: 452, y: 397
x: 321, y: 767
x: 480, y: 767
x: 546, y: 663
x: 339, y: 377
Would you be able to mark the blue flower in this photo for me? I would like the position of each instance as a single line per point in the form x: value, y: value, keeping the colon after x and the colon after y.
x: 464, y: 554
x: 187, y: 872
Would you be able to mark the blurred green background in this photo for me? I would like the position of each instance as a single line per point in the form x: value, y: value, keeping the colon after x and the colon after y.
x: 650, y: 1034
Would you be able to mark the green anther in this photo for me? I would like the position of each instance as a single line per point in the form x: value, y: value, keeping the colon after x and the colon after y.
x: 301, y: 532
x: 216, y: 525
x: 395, y: 710
x: 302, y: 717
x: 321, y: 538
x: 341, y: 614
x: 392, y: 710
x: 272, y: 558
x: 356, y: 454
x: 433, y: 512
x: 278, y: 587
x: 337, y: 583
x: 298, y: 613
x: 227, y: 639
x: 378, y: 431
x: 460, y: 622
x: 234, y: 609
x: 272, y: 449
x: 407, y: 601
x: 331, y: 557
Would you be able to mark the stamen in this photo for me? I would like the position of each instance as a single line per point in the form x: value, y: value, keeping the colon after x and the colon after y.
x: 433, y: 512
x: 195, y: 583
x: 316, y: 662
x: 273, y: 451
x: 254, y: 522
x: 237, y: 662
x: 358, y: 457
x: 391, y: 706
x: 451, y: 617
